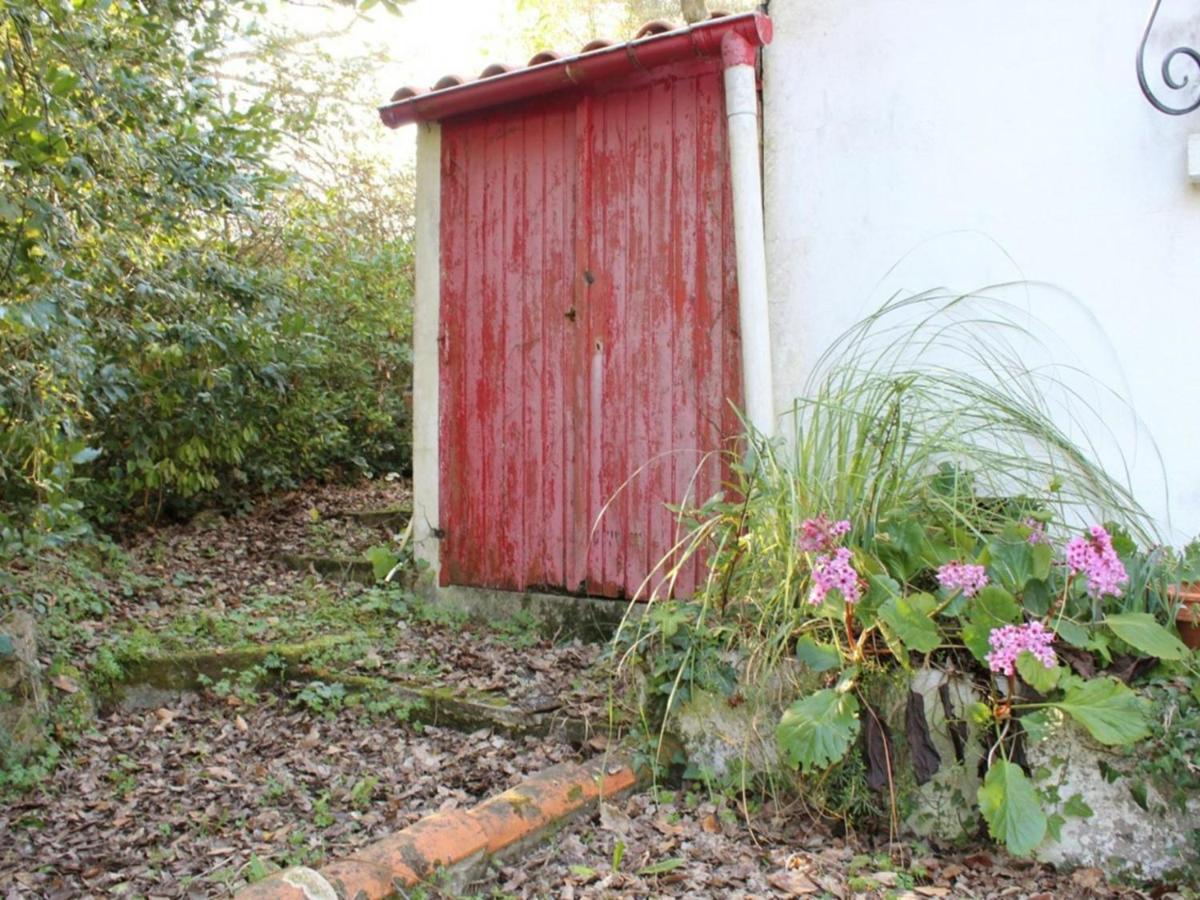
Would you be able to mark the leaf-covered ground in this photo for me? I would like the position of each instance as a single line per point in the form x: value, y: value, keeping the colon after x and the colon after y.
x: 203, y: 793
x: 196, y: 799
x: 218, y: 583
x: 686, y: 844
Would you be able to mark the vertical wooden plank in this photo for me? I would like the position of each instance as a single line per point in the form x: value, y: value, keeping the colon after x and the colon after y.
x: 508, y: 507
x: 708, y: 324
x: 578, y: 528
x: 473, y: 471
x: 608, y: 297
x: 642, y: 271
x: 659, y: 336
x: 730, y: 333
x: 450, y: 329
x: 600, y: 299
x: 534, y: 285
x: 486, y: 309
x: 684, y: 353
x: 558, y: 315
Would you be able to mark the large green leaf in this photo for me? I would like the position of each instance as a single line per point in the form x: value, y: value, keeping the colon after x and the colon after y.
x: 818, y: 730
x: 990, y: 608
x: 817, y: 656
x: 880, y: 589
x: 1073, y: 633
x: 1037, y: 676
x: 903, y: 547
x: 911, y: 620
x: 1010, y: 806
x: 1014, y: 562
x: 1142, y: 632
x: 1109, y: 710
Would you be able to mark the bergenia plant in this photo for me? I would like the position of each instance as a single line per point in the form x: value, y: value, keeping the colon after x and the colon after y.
x: 1008, y: 603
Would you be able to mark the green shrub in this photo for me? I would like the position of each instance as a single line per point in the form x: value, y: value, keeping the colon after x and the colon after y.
x: 183, y: 321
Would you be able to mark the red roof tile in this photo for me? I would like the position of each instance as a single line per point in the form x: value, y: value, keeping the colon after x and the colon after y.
x: 656, y: 42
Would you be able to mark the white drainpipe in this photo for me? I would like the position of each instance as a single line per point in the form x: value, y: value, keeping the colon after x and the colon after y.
x: 741, y: 108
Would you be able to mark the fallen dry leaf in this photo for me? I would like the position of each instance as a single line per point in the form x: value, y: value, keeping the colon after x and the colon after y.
x: 65, y: 683
x: 1088, y: 879
x: 792, y: 883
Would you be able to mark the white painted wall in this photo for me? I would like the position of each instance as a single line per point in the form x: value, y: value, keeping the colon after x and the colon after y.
x: 967, y: 142
x: 426, y: 313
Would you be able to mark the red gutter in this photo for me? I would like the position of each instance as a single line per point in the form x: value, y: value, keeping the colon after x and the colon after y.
x: 700, y: 40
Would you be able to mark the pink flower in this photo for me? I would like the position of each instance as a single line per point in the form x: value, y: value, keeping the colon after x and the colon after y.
x: 834, y: 571
x: 1037, y: 531
x: 1095, y: 557
x: 1009, y: 642
x: 819, y: 535
x: 970, y: 579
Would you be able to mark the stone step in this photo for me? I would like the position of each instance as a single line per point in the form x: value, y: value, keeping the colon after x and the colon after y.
x: 385, y: 517
x: 154, y: 681
x: 337, y: 568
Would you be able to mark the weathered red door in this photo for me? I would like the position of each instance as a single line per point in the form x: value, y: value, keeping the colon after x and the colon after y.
x: 589, y: 348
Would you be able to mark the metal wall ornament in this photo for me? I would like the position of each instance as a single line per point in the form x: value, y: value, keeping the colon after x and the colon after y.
x: 1173, y: 80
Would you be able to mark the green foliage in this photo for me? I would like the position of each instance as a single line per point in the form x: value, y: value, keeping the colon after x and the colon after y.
x: 937, y: 444
x: 1009, y: 803
x: 993, y: 608
x: 1039, y: 677
x: 1144, y: 634
x: 817, y: 730
x: 183, y: 321
x: 911, y: 619
x: 521, y: 629
x: 1108, y: 709
x: 320, y: 697
x: 1167, y: 760
x: 383, y: 559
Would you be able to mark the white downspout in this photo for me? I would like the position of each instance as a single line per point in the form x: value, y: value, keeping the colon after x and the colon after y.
x: 741, y: 108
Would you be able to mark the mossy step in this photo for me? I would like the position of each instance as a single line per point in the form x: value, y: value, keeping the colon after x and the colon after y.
x: 463, y: 709
x: 339, y: 568
x: 387, y: 516
x: 188, y: 670
x: 145, y: 681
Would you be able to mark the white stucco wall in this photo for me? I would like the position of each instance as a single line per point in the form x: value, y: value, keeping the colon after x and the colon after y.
x: 911, y: 144
x: 426, y: 313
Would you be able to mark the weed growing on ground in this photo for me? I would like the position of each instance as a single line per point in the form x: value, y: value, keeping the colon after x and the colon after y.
x: 520, y: 630
x: 320, y: 697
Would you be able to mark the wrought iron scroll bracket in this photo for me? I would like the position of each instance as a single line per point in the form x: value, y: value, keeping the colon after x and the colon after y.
x: 1190, y: 57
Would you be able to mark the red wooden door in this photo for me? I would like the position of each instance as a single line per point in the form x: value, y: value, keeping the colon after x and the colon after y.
x: 589, y: 348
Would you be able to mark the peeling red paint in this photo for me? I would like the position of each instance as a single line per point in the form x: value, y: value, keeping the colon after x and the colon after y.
x: 589, y: 350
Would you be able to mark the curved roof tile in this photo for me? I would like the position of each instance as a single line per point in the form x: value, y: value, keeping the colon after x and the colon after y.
x: 756, y: 27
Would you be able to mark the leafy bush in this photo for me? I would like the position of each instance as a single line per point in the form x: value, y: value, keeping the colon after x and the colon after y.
x: 928, y: 512
x: 183, y: 321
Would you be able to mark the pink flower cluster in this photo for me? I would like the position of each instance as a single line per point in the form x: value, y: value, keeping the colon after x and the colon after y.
x: 1094, y: 556
x: 1008, y: 642
x: 834, y: 571
x: 970, y: 579
x: 819, y: 535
